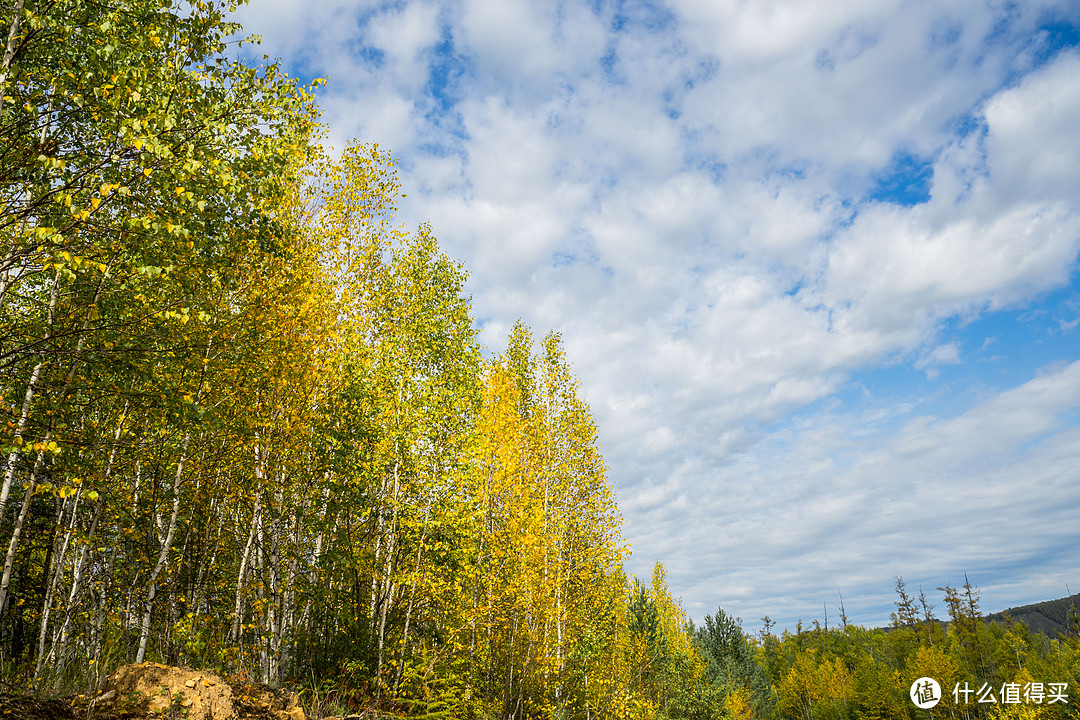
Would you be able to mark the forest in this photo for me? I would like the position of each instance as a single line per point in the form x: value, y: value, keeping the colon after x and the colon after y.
x: 247, y: 426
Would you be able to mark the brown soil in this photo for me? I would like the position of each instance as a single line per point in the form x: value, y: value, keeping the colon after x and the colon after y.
x: 158, y: 692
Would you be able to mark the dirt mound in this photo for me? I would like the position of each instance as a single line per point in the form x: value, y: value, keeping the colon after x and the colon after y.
x: 160, y: 689
x: 159, y: 692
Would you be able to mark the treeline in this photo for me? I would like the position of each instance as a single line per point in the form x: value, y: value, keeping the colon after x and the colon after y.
x: 985, y: 670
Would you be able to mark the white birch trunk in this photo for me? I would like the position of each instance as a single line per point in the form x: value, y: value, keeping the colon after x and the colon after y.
x: 163, y: 556
x: 59, y: 644
x: 27, y: 404
x: 412, y: 595
x: 9, y: 558
x: 256, y: 519
x: 59, y: 553
x: 9, y: 54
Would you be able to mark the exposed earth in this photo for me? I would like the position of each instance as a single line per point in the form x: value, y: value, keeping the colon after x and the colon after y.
x: 159, y: 692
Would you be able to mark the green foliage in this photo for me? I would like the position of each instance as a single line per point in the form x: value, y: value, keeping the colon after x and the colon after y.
x: 856, y: 673
x: 644, y: 624
x: 731, y: 662
x: 667, y: 668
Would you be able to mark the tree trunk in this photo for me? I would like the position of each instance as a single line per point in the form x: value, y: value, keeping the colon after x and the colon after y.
x: 386, y: 582
x: 9, y: 558
x: 163, y: 556
x: 412, y: 597
x: 256, y: 519
x: 79, y: 567
x: 5, y: 64
x: 28, y: 401
x: 59, y: 643
x: 59, y: 552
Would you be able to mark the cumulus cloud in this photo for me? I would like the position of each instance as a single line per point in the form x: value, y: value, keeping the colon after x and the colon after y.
x: 765, y: 231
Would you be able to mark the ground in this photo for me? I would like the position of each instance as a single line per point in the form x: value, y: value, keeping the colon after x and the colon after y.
x: 158, y: 692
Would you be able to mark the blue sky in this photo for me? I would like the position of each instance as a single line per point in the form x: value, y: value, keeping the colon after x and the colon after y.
x: 815, y: 264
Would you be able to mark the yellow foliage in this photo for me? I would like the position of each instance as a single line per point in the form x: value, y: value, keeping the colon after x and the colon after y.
x: 737, y: 706
x: 935, y: 662
x: 815, y: 688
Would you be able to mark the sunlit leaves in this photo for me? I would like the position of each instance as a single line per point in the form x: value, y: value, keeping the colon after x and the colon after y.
x: 547, y: 576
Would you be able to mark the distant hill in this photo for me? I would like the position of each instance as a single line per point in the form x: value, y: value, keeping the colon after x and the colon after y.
x: 1050, y: 617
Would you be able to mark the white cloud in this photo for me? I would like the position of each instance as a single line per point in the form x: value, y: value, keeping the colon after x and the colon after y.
x: 301, y: 32
x: 681, y: 191
x: 947, y: 354
x: 405, y: 33
x: 1032, y: 146
x: 1001, y: 225
x: 509, y: 39
x: 938, y: 498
